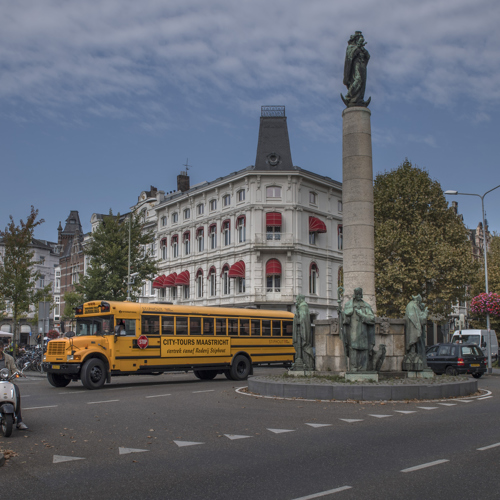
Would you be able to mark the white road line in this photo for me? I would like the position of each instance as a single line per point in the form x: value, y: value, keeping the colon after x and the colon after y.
x: 479, y: 399
x: 108, y: 401
x: 428, y: 407
x: 159, y: 396
x: 463, y: 400
x: 211, y: 390
x: 447, y: 404
x: 280, y: 431
x: 39, y: 407
x: 424, y: 466
x: 351, y: 420
x: 488, y: 447
x: 319, y: 425
x: 380, y: 416
x: 405, y: 412
x: 324, y: 493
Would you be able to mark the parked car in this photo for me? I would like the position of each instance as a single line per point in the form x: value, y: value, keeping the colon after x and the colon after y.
x: 454, y: 359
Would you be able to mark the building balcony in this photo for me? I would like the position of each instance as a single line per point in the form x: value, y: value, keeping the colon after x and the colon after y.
x: 264, y: 294
x: 274, y: 240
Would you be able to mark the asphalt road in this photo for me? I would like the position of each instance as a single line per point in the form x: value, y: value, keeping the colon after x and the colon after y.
x: 175, y: 437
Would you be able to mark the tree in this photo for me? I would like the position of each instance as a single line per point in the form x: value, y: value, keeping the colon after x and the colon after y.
x: 17, y: 271
x: 421, y: 246
x: 107, y: 275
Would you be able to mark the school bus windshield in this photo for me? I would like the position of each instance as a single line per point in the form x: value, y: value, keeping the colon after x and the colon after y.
x: 101, y: 325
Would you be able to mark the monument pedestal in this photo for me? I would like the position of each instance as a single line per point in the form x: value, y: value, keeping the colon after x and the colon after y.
x: 420, y: 374
x: 301, y: 373
x: 361, y: 377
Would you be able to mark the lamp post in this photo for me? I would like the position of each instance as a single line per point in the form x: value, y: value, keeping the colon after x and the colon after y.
x: 451, y: 192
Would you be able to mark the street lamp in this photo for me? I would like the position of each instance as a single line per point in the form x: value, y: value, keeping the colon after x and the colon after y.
x: 451, y: 192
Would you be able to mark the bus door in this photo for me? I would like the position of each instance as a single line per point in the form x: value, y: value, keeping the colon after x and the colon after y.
x: 125, y: 337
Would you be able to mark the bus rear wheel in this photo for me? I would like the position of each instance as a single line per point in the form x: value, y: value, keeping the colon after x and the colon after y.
x: 56, y: 380
x: 240, y: 369
x: 205, y: 374
x: 93, y: 375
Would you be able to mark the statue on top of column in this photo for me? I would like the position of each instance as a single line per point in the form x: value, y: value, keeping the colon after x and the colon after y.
x: 356, y: 60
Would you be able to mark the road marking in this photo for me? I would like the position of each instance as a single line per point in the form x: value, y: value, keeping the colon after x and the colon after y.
x: 380, y: 416
x: 479, y: 399
x: 319, y: 425
x: 108, y: 401
x: 159, y: 396
x: 60, y: 458
x: 447, y: 404
x: 125, y: 451
x: 406, y: 412
x: 428, y: 407
x: 280, y: 431
x: 180, y: 444
x: 324, y: 493
x: 463, y: 401
x: 197, y: 392
x: 232, y: 437
x: 488, y: 447
x: 351, y: 420
x: 39, y: 407
x: 423, y: 466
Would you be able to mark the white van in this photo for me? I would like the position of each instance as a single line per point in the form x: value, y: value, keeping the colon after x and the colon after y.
x: 478, y: 337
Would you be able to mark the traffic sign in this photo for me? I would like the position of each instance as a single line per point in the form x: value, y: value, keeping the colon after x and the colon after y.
x: 142, y: 342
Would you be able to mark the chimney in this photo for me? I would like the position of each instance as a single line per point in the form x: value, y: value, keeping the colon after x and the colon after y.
x: 183, y: 181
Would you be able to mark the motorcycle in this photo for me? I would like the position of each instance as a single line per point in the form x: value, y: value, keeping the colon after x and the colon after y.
x: 8, y: 400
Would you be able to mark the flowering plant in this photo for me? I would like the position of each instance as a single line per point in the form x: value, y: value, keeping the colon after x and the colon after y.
x: 486, y: 303
x: 53, y: 334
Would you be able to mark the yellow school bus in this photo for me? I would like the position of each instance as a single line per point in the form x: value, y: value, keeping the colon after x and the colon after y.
x: 126, y: 338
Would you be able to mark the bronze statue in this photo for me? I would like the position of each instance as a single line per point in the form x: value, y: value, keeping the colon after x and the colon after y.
x: 302, y: 336
x: 356, y: 60
x: 415, y: 322
x: 359, y: 333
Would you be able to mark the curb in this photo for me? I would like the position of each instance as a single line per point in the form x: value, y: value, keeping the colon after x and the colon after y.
x: 2, y: 459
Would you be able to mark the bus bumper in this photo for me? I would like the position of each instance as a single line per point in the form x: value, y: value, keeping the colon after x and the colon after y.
x: 62, y: 368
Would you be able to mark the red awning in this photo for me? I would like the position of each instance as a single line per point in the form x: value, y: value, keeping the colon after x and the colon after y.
x: 273, y: 219
x: 313, y: 266
x: 199, y: 230
x: 170, y: 281
x: 316, y: 226
x: 163, y: 241
x: 210, y: 271
x: 199, y: 272
x: 173, y: 239
x: 159, y: 282
x: 237, y: 270
x: 273, y: 267
x: 182, y: 279
x: 222, y: 226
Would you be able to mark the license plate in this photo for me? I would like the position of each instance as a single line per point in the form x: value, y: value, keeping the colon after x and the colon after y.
x: 56, y: 367
x: 475, y: 365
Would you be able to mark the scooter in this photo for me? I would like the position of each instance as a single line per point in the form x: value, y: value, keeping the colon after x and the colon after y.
x: 8, y: 400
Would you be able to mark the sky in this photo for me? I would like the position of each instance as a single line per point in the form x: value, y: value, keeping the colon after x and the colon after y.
x: 100, y: 99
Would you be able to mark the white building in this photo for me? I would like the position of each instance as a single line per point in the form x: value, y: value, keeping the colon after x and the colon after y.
x: 257, y: 237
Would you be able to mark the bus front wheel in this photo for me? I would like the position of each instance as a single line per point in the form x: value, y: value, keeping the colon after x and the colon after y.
x: 240, y: 369
x: 93, y: 375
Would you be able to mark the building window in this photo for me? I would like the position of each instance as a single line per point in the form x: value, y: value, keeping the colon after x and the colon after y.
x: 226, y: 281
x: 212, y: 205
x: 241, y: 229
x: 175, y: 217
x: 241, y: 195
x: 199, y: 284
x: 175, y: 246
x: 313, y: 279
x: 213, y: 236
x: 313, y: 197
x: 312, y: 238
x: 226, y: 200
x: 213, y: 282
x: 164, y: 249
x: 187, y: 243
x: 186, y: 291
x: 75, y: 274
x: 340, y: 206
x: 226, y: 229
x: 57, y: 307
x: 340, y: 236
x: 273, y: 225
x: 273, y: 275
x: 200, y: 238
x: 42, y: 260
x: 273, y: 192
x: 163, y: 221
x: 187, y: 213
x: 241, y: 285
x: 161, y: 293
x: 173, y: 293
x: 58, y: 280
x: 200, y: 209
x: 273, y: 232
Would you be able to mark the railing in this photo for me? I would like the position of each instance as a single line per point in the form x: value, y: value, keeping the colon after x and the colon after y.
x: 274, y: 239
x: 268, y: 111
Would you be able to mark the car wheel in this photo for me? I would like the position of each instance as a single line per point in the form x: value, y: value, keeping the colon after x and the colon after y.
x: 477, y: 375
x: 56, y: 380
x: 450, y: 370
x: 93, y: 374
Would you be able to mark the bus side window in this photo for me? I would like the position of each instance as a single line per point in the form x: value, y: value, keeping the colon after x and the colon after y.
x: 256, y: 327
x: 195, y: 326
x: 276, y: 328
x: 266, y: 327
x: 208, y: 326
x: 287, y: 328
x: 181, y: 325
x: 220, y: 326
x: 151, y: 325
x: 233, y: 326
x: 130, y: 327
x: 244, y: 327
x: 167, y: 325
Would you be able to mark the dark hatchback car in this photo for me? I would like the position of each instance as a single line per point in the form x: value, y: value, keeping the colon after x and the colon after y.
x: 454, y: 359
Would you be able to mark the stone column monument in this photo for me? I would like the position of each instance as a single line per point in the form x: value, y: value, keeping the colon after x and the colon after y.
x: 357, y: 176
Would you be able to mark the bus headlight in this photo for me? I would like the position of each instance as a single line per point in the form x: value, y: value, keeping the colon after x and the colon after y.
x: 70, y: 357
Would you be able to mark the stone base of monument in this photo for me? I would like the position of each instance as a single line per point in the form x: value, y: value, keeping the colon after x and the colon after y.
x: 420, y: 374
x: 301, y: 373
x: 361, y: 377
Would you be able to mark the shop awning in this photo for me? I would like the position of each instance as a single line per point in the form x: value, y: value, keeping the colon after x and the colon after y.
x: 182, y: 279
x: 273, y: 267
x: 170, y: 281
x: 316, y: 226
x: 237, y: 270
x: 160, y: 281
x: 273, y: 219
